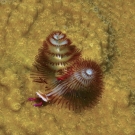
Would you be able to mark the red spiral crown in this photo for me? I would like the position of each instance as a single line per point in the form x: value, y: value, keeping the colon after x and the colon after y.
x: 56, y: 57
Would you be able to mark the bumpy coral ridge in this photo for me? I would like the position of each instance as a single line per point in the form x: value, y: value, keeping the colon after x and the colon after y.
x: 24, y: 26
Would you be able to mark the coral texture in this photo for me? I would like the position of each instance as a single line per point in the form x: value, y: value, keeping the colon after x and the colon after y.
x: 103, y: 29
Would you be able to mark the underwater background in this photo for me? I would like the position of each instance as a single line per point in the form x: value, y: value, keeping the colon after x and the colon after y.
x: 103, y: 29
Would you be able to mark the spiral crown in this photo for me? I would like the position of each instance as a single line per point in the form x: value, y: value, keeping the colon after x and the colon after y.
x: 82, y: 88
x: 56, y: 39
x: 57, y: 53
x: 85, y: 77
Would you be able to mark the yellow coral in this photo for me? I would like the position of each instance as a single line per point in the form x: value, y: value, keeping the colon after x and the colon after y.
x: 94, y: 26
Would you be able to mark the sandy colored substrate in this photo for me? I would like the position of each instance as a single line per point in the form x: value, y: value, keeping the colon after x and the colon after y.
x: 105, y: 31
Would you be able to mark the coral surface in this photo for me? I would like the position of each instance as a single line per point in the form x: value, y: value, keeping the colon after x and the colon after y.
x: 103, y: 29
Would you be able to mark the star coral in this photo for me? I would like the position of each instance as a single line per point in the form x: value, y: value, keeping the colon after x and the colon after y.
x: 92, y: 25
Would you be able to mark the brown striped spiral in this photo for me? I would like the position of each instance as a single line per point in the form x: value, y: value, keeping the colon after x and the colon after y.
x: 81, y: 89
x: 55, y: 57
